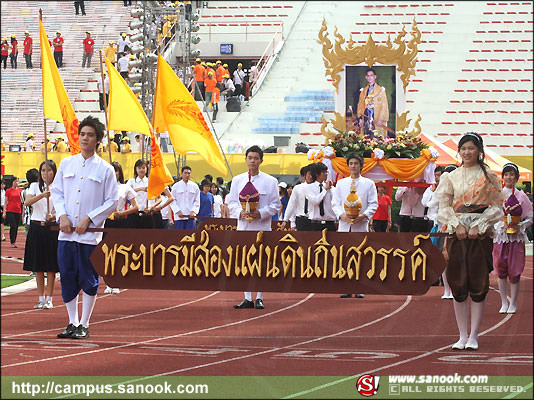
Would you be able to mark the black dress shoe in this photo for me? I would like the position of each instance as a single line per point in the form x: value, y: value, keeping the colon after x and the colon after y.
x: 346, y: 296
x: 81, y: 332
x: 359, y: 296
x: 259, y: 304
x: 68, y: 332
x: 245, y: 304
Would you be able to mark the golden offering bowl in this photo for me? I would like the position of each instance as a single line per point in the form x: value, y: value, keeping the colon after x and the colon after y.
x: 512, y: 221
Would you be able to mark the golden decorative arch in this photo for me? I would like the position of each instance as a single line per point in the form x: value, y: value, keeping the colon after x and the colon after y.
x: 335, y: 56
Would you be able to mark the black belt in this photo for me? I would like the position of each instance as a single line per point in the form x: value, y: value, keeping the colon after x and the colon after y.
x: 315, y: 221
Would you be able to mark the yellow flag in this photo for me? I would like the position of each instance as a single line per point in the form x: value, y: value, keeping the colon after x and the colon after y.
x: 176, y: 112
x: 126, y: 114
x: 56, y: 103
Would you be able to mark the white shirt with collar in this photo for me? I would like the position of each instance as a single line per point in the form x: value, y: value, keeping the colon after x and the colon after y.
x: 84, y: 188
x: 295, y: 206
x: 186, y: 199
x: 269, y: 203
x: 366, y: 191
x: 140, y: 196
x: 315, y: 195
x: 411, y: 202
x: 432, y: 203
x: 39, y: 207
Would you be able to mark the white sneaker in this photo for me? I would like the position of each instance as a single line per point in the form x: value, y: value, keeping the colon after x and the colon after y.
x: 108, y: 290
x: 39, y: 306
x: 115, y: 290
x: 48, y: 305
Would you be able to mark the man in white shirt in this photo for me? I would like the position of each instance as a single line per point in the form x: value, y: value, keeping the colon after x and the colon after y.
x: 228, y: 86
x: 123, y: 65
x: 239, y: 79
x: 260, y: 219
x: 298, y: 206
x: 84, y: 194
x: 366, y: 191
x: 186, y: 201
x: 122, y: 43
x: 412, y: 212
x: 319, y: 195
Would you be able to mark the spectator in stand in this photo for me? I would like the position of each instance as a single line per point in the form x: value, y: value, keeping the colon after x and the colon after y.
x: 122, y: 44
x: 219, y: 70
x: 123, y: 66
x: 2, y: 204
x: 88, y: 49
x: 137, y: 144
x: 199, y: 79
x: 28, y: 49
x: 412, y: 212
x: 382, y: 217
x: 166, y: 31
x: 29, y: 145
x: 206, y: 201
x: 253, y: 75
x: 111, y: 52
x: 226, y: 71
x: 79, y: 6
x: 101, y: 89
x: 217, y: 200
x: 228, y: 88
x: 209, y: 83
x: 126, y: 147
x: 40, y: 253
x: 4, y: 51
x: 239, y: 80
x: 215, y: 100
x: 188, y: 9
x: 61, y: 146
x: 49, y: 146
x: 58, y: 49
x: 14, y: 51
x: 127, y: 3
x: 13, y: 209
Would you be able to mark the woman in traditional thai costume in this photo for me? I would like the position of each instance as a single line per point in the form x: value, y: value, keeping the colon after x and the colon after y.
x: 510, y: 238
x: 470, y: 203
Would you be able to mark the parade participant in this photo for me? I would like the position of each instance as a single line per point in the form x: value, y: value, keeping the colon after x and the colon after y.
x: 470, y: 203
x: 258, y: 219
x: 382, y: 217
x: 354, y: 202
x: 28, y: 49
x: 206, y: 201
x: 40, y: 252
x: 186, y: 201
x: 29, y: 145
x: 217, y: 200
x: 159, y: 209
x: 84, y: 194
x: 139, y: 184
x: 297, y: 207
x: 319, y: 195
x: 58, y: 49
x: 373, y: 109
x: 3, y: 201
x: 510, y: 238
x: 412, y: 212
x: 14, y: 51
x: 13, y: 210
x: 284, y: 199
x: 429, y: 201
x: 88, y: 49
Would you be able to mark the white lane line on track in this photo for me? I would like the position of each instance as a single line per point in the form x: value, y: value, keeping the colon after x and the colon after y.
x: 314, y: 389
x: 166, y: 337
x: 100, y: 297
x: 118, y: 318
x: 400, y: 308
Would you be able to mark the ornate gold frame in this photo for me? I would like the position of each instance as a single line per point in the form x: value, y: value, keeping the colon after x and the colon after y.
x: 336, y: 56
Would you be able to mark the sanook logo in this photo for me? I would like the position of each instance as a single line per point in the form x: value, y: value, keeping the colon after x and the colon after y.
x: 367, y: 385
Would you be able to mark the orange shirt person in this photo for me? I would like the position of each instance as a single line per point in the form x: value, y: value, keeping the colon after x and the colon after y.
x: 219, y: 71
x: 210, y: 83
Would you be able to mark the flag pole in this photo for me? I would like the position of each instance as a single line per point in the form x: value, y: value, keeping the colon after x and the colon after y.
x: 45, y: 134
x: 105, y: 104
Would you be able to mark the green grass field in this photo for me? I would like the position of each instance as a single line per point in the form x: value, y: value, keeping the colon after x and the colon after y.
x: 10, y: 280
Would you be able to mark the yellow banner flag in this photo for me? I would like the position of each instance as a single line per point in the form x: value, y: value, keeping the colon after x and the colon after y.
x: 126, y: 114
x: 56, y: 103
x: 176, y: 112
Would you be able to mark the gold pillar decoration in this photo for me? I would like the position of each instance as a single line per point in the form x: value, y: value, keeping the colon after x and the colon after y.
x: 336, y: 56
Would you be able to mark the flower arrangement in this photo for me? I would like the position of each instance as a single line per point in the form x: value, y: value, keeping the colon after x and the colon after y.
x: 403, y: 146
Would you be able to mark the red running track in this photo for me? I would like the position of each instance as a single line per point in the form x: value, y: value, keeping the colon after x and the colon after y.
x: 146, y: 333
